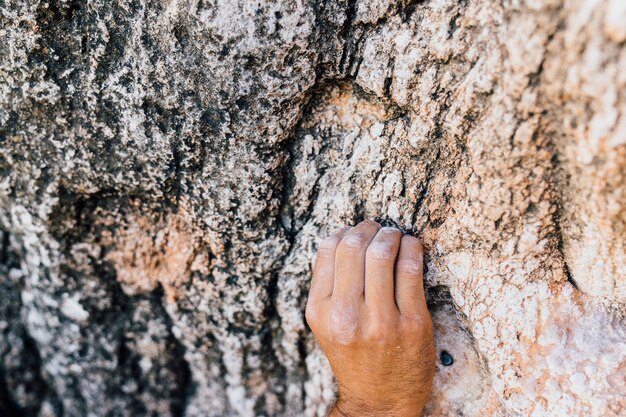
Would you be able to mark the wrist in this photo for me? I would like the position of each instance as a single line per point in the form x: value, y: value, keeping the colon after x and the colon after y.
x: 352, y: 408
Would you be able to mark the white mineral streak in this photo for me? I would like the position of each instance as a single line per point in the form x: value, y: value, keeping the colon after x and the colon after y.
x: 72, y: 309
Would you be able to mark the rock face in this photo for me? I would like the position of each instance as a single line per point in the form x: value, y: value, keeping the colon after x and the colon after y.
x: 167, y: 168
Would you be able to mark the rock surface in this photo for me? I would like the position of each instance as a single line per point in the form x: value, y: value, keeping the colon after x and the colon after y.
x: 167, y: 168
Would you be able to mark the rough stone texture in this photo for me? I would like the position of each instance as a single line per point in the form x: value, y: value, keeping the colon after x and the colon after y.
x: 167, y: 167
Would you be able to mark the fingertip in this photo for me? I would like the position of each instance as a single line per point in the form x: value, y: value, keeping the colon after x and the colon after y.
x: 342, y: 230
x: 411, y: 239
x: 330, y: 242
x: 371, y: 222
x: 385, y: 245
x: 356, y: 239
x: 413, y: 244
x: 339, y: 232
x: 389, y: 229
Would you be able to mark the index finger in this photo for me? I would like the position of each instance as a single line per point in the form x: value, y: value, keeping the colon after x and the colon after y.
x: 324, y: 269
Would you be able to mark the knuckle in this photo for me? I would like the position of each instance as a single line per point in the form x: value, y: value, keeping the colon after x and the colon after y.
x: 327, y: 248
x: 379, y: 330
x: 411, y: 240
x: 411, y: 326
x: 380, y: 251
x: 409, y: 266
x: 312, y: 315
x: 370, y: 223
x: 352, y: 244
x: 376, y: 333
x: 342, y: 327
x: 418, y: 324
x: 329, y: 244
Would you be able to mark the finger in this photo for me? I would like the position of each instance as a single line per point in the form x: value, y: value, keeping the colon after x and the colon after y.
x: 409, y: 277
x: 324, y: 269
x: 350, y: 261
x: 379, y: 271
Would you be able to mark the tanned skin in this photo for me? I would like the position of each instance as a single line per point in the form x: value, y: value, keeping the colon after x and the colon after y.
x: 368, y: 313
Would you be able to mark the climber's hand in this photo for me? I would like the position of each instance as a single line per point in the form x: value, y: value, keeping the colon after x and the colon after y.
x: 367, y: 310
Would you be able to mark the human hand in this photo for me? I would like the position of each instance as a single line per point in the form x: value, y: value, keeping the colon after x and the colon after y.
x: 367, y: 310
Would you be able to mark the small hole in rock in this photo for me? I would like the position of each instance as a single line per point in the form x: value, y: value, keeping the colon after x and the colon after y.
x: 445, y: 358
